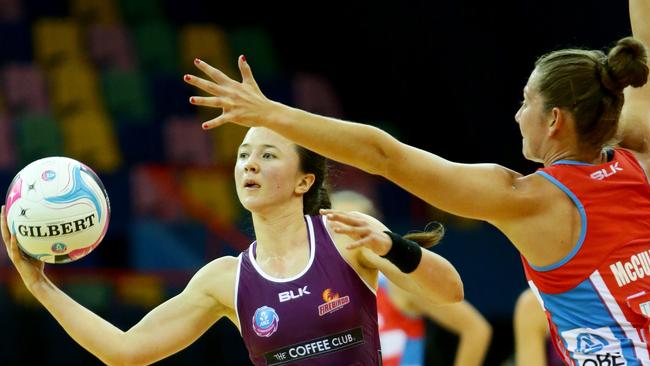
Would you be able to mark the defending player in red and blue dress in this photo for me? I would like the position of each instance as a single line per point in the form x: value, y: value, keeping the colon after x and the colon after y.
x: 402, y: 336
x: 597, y: 298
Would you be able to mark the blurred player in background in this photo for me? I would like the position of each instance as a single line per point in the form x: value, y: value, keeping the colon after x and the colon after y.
x: 532, y: 337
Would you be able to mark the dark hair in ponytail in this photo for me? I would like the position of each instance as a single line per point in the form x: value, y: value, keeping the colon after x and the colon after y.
x: 431, y: 235
x: 318, y: 195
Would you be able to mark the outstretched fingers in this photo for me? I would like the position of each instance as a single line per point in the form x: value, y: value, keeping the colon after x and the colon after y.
x: 214, y: 102
x: 10, y: 241
x: 205, y: 85
x: 215, y: 122
x: 363, y: 242
x: 247, y: 73
x: 6, y: 234
x: 242, y: 103
x: 215, y: 74
x: 5, y: 231
x: 354, y: 232
x: 343, y: 217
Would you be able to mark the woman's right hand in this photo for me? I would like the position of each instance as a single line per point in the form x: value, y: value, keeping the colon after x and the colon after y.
x: 30, y: 269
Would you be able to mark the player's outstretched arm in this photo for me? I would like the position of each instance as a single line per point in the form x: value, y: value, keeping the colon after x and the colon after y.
x: 167, y: 329
x: 444, y: 184
x: 634, y: 125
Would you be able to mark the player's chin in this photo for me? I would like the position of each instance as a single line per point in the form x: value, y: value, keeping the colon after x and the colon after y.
x: 526, y: 151
x: 532, y: 157
x: 252, y: 203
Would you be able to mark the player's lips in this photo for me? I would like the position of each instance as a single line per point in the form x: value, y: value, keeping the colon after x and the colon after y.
x: 251, y: 184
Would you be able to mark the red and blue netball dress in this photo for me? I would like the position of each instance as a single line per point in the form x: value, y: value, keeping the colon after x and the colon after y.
x: 597, y: 298
x: 401, y: 335
x: 325, y: 315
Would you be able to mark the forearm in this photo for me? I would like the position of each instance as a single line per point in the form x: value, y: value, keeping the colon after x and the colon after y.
x: 530, y: 351
x: 363, y: 146
x: 434, y: 280
x: 473, y: 345
x: 634, y: 124
x: 640, y: 18
x: 530, y: 328
x: 439, y: 182
x: 96, y: 335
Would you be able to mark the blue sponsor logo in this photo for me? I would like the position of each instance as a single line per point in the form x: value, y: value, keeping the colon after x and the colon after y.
x: 265, y: 321
x: 590, y: 343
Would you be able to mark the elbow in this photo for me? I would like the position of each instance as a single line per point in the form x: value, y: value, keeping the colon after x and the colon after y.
x: 121, y: 359
x: 383, y: 150
x: 126, y: 356
x: 127, y: 360
x: 479, y: 334
x: 117, y: 359
x: 448, y: 289
x: 483, y: 331
x: 458, y: 292
x: 456, y: 289
x: 450, y: 294
x: 134, y: 358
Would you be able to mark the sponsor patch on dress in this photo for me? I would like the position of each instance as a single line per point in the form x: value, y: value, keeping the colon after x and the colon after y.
x: 315, y: 347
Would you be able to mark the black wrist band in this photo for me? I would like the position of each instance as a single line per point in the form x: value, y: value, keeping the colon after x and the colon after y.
x: 404, y: 254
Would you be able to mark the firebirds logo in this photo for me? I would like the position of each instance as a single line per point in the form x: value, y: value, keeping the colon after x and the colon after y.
x: 332, y: 303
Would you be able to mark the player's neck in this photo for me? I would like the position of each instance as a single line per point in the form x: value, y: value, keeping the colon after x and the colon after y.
x: 590, y: 157
x: 279, y: 234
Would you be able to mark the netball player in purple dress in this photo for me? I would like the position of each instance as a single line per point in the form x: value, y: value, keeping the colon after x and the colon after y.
x: 302, y: 293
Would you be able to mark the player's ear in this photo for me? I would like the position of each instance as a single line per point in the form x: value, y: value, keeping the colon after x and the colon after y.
x: 305, y: 182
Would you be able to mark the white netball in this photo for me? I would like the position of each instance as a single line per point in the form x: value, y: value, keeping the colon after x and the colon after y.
x: 58, y: 209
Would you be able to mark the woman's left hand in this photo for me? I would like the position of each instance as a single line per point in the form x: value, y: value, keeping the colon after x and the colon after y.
x: 360, y: 230
x: 242, y: 102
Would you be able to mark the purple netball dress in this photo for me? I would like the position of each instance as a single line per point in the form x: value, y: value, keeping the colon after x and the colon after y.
x: 325, y: 315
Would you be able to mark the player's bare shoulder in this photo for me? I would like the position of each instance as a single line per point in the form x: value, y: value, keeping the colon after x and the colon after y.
x: 533, y: 196
x: 534, y: 191
x: 217, y: 279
